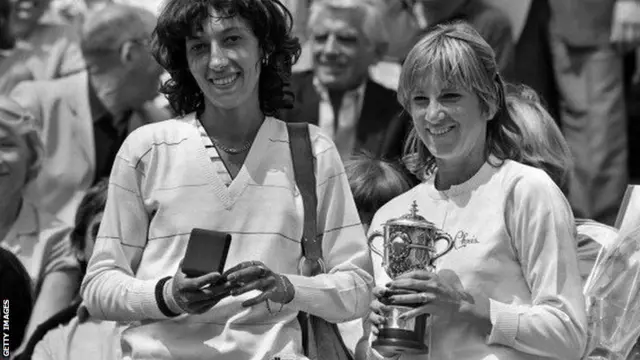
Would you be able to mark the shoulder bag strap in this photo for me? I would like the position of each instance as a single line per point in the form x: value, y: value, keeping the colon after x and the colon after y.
x: 302, y: 158
x: 312, y: 263
x: 303, y: 168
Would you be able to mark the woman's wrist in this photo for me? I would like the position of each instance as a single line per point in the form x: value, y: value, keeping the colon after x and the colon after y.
x: 169, y: 299
x: 477, y: 307
x: 289, y: 289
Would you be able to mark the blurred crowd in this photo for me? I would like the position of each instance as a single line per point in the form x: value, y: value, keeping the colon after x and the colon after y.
x: 78, y: 76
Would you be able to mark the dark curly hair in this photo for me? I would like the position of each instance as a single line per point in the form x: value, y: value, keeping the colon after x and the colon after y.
x: 271, y: 23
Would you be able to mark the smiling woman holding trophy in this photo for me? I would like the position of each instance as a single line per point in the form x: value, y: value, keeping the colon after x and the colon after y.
x: 479, y: 260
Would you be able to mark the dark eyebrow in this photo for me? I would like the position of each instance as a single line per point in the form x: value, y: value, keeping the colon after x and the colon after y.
x: 199, y: 34
x: 241, y: 29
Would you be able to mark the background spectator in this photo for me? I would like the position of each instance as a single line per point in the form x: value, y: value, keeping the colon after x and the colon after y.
x: 40, y: 241
x: 72, y: 333
x: 99, y: 107
x: 346, y: 38
x: 492, y: 24
x: 47, y: 48
x: 589, y: 73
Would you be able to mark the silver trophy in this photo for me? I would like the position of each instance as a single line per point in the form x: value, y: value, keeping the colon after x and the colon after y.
x: 409, y: 244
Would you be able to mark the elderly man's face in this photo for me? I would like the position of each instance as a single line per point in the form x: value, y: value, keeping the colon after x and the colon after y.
x: 342, y: 53
x: 26, y: 14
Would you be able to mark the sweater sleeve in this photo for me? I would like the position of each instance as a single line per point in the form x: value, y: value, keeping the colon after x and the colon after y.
x: 110, y: 289
x: 542, y: 230
x: 344, y: 292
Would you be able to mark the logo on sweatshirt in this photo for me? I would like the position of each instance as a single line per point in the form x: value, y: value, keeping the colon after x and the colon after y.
x: 464, y: 239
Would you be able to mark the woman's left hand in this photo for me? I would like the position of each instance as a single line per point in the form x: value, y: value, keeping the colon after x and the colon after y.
x: 438, y: 294
x: 254, y: 275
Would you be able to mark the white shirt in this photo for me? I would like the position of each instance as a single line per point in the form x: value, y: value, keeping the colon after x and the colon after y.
x: 343, y: 133
x: 41, y: 243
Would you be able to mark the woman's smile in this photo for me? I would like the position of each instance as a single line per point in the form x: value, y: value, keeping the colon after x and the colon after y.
x: 440, y: 130
x: 225, y: 82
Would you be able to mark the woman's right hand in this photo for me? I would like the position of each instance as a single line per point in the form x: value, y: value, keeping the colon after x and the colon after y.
x: 198, y: 295
x: 378, y: 309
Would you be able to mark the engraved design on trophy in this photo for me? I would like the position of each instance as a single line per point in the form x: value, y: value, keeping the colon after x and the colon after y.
x: 409, y: 244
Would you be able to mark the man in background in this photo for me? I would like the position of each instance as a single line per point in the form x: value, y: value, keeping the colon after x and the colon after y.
x: 588, y: 39
x: 86, y: 117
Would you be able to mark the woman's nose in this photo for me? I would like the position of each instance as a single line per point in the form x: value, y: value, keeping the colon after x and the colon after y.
x: 218, y: 57
x: 435, y: 112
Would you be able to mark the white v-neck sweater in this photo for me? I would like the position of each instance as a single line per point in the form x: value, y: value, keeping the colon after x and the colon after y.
x: 513, y: 234
x: 163, y: 185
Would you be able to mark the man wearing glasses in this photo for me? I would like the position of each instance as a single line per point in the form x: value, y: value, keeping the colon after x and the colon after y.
x: 85, y: 117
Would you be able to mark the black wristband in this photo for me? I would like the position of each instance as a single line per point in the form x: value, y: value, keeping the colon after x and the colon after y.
x: 162, y: 304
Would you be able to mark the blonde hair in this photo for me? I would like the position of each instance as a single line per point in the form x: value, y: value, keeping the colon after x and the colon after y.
x: 543, y: 144
x: 372, y: 11
x: 20, y: 122
x: 455, y: 55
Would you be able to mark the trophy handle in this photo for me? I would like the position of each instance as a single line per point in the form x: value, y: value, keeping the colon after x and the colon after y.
x: 450, y: 243
x: 374, y: 235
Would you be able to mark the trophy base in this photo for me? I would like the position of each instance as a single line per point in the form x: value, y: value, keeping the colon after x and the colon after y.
x: 392, y: 342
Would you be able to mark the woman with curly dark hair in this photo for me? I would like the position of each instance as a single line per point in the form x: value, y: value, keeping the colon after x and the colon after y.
x: 225, y: 165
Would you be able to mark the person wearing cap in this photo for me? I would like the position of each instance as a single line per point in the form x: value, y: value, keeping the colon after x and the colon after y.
x: 39, y: 240
x: 85, y: 117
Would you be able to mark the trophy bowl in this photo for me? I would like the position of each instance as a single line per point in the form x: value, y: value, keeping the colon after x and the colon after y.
x: 409, y: 244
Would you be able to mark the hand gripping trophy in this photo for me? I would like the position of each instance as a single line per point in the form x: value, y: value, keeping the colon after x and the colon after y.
x: 409, y: 244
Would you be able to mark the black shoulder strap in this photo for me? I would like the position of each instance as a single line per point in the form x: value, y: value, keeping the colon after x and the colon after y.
x: 303, y: 168
x: 302, y: 156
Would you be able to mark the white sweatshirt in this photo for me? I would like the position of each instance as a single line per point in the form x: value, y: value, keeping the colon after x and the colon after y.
x: 513, y: 232
x: 163, y: 185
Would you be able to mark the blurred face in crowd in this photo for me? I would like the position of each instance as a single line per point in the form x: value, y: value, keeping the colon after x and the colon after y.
x: 14, y: 161
x: 224, y: 59
x: 142, y: 75
x: 342, y: 52
x: 449, y: 120
x: 26, y: 14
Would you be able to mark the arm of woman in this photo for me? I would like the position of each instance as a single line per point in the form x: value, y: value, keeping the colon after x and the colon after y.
x: 344, y: 292
x: 61, y: 271
x: 542, y: 230
x: 56, y: 293
x: 110, y: 290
